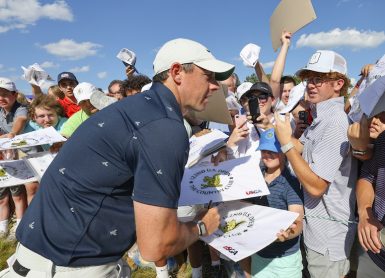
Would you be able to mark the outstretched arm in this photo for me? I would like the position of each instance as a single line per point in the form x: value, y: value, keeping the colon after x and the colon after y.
x: 279, y: 65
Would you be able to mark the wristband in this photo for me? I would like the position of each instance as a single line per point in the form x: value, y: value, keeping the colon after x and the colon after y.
x: 201, y: 228
x: 287, y: 147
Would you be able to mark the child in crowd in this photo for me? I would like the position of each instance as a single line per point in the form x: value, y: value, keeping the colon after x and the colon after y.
x: 283, y: 257
x: 44, y: 112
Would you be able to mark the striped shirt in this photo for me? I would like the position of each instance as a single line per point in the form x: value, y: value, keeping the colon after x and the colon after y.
x: 326, y: 149
x: 374, y: 171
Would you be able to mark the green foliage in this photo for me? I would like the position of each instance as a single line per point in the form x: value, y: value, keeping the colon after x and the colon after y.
x: 252, y: 78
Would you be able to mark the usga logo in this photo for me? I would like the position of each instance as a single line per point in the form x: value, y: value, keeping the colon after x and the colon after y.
x: 252, y: 192
x: 230, y: 249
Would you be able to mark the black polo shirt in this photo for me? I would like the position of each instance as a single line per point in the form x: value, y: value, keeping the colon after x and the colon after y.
x: 134, y: 149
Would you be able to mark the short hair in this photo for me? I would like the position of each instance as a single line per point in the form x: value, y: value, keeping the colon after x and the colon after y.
x: 55, y: 89
x: 287, y: 79
x: 113, y: 82
x: 162, y: 76
x: 46, y: 102
x: 134, y: 82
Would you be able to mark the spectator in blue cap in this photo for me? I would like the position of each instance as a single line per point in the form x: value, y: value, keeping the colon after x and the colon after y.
x: 283, y: 257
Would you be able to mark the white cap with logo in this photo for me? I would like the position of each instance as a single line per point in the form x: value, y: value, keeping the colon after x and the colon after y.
x: 83, y: 91
x: 7, y: 84
x: 325, y: 61
x: 186, y: 51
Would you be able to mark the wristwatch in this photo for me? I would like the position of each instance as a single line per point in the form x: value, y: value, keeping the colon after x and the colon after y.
x: 287, y: 147
x: 201, y: 228
x: 357, y: 152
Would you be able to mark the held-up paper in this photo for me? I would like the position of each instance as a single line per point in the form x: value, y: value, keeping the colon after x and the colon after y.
x: 231, y: 180
x: 38, y: 137
x: 290, y: 16
x: 246, y: 229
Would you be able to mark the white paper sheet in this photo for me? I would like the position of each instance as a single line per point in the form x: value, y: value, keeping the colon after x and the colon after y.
x: 38, y: 137
x: 36, y: 75
x: 200, y: 144
x: 245, y: 229
x: 15, y: 172
x: 39, y: 162
x: 231, y: 180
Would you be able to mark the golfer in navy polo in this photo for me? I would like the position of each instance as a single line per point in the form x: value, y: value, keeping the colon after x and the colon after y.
x: 117, y: 179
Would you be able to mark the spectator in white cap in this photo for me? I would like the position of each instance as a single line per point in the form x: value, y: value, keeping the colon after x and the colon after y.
x: 124, y: 186
x: 13, y: 118
x: 82, y: 93
x: 325, y: 168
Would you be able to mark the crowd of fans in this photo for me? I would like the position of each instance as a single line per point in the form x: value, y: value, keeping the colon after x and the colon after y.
x: 314, y: 159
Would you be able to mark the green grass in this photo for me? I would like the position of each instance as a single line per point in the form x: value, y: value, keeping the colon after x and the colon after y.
x: 7, y: 248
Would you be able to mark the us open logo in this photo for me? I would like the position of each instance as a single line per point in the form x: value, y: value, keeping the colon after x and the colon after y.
x: 211, y: 181
x: 235, y: 224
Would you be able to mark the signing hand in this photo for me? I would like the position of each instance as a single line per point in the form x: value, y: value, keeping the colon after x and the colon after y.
x: 211, y: 218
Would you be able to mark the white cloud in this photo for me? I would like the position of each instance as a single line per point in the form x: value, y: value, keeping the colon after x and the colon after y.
x: 80, y: 69
x: 18, y: 14
x: 268, y: 65
x: 72, y: 50
x: 48, y: 64
x: 102, y: 74
x: 338, y: 38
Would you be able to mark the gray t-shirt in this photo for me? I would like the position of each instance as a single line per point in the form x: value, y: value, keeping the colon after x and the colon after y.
x: 6, y: 120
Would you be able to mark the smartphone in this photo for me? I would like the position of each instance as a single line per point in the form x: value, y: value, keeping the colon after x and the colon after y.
x: 304, y: 116
x: 254, y: 109
x: 239, y: 120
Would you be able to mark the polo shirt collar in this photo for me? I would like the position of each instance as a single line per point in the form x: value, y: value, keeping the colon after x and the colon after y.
x: 168, y: 99
x: 323, y: 108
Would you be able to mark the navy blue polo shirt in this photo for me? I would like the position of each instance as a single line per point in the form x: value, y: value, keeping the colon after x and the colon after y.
x: 284, y: 191
x: 134, y: 149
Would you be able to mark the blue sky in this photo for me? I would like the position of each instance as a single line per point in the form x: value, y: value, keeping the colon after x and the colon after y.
x: 84, y: 36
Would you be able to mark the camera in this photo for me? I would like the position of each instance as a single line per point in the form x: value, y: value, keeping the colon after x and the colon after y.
x: 254, y: 109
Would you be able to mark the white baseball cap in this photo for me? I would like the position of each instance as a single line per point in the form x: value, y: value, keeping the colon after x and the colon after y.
x: 243, y: 89
x: 83, y: 91
x: 325, y: 61
x: 7, y: 84
x: 185, y: 51
x: 295, y: 95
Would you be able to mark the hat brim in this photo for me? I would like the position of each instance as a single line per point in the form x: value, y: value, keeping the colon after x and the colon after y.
x: 268, y: 147
x: 221, y: 69
x: 100, y: 100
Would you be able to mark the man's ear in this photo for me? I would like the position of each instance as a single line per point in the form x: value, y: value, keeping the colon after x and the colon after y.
x: 175, y: 72
x: 338, y: 84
